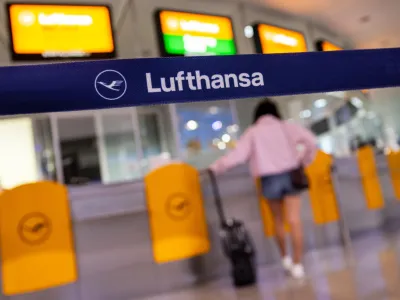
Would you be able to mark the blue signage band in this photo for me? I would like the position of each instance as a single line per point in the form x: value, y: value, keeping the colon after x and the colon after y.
x: 149, y: 81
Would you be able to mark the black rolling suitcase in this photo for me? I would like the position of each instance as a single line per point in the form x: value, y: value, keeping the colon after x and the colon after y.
x: 236, y: 242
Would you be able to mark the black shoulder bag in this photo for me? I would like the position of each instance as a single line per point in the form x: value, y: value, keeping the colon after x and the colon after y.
x: 298, y: 175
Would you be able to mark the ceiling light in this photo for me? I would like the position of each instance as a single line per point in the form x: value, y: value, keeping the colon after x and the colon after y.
x: 226, y: 138
x: 233, y: 128
x: 305, y: 114
x: 320, y: 103
x: 191, y: 125
x: 356, y: 102
x: 248, y: 32
x: 217, y: 125
x: 213, y: 110
x: 221, y: 146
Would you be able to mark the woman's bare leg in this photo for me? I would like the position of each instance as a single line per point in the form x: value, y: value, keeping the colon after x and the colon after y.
x: 293, y: 211
x: 277, y: 209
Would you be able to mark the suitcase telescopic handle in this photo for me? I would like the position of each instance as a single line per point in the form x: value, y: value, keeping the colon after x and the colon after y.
x: 217, y: 197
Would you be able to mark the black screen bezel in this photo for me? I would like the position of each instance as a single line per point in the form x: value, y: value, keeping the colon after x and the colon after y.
x: 348, y: 109
x: 319, y: 45
x: 315, y: 126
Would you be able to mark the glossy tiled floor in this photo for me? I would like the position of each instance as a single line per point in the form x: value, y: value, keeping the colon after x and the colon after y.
x: 370, y: 271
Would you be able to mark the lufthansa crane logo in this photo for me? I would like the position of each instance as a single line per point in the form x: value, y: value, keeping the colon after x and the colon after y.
x: 34, y: 228
x: 178, y: 207
x: 110, y: 85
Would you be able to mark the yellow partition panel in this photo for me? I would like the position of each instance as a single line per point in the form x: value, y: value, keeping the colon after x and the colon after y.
x: 369, y: 178
x: 266, y: 214
x: 176, y: 213
x: 322, y: 193
x: 393, y: 159
x: 36, y: 238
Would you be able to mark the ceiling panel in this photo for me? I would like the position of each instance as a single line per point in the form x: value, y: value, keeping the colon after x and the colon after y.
x: 345, y: 17
x: 368, y: 23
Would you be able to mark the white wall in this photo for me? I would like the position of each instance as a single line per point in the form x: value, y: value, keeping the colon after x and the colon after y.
x: 17, y: 153
x: 319, y: 33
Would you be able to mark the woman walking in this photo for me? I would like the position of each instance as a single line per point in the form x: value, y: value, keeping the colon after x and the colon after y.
x: 270, y: 148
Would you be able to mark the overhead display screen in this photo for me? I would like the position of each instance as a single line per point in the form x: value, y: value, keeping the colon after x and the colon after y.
x: 50, y: 31
x: 320, y: 127
x: 327, y: 46
x: 271, y: 39
x: 345, y: 113
x: 186, y: 34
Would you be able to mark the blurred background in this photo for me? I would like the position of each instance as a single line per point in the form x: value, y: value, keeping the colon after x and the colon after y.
x: 103, y: 156
x: 116, y: 145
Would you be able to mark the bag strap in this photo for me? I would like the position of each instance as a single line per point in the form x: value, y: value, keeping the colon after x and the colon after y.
x: 289, y: 140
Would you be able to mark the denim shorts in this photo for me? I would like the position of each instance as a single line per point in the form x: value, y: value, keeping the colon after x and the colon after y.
x: 276, y: 187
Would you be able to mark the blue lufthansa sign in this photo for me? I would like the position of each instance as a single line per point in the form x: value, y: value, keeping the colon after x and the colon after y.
x: 110, y: 85
x: 151, y: 81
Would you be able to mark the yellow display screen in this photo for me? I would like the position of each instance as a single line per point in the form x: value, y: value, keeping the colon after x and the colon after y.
x: 271, y: 39
x: 49, y: 31
x: 327, y: 46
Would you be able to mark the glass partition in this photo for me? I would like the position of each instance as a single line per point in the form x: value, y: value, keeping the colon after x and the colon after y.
x: 206, y: 131
x: 157, y: 135
x: 79, y: 149
x: 44, y: 147
x: 120, y: 161
x: 122, y: 145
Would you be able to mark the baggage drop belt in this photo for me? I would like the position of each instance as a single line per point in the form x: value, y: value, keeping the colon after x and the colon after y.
x: 133, y: 82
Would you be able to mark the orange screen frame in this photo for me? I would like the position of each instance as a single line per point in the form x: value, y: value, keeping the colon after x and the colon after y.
x: 271, y: 39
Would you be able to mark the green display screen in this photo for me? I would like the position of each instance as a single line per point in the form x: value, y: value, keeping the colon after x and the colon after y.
x: 179, y: 45
x: 195, y: 34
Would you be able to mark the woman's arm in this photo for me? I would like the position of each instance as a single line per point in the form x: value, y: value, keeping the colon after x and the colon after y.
x: 237, y: 156
x: 305, y: 137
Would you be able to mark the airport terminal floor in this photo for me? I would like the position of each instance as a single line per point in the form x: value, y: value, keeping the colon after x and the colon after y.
x: 370, y: 271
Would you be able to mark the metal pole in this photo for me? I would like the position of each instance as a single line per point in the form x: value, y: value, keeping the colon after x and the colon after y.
x: 55, y: 139
x: 235, y: 117
x: 101, y: 147
x: 175, y: 130
x: 138, y: 140
x: 342, y: 224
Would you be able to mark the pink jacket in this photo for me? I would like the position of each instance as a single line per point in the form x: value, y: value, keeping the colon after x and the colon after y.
x: 270, y: 148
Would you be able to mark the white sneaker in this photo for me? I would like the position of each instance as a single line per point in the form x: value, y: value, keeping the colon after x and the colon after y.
x: 287, y: 263
x: 297, y: 271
